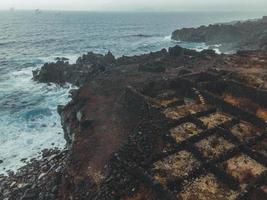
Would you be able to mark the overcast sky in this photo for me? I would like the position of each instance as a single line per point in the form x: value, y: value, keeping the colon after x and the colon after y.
x: 136, y: 5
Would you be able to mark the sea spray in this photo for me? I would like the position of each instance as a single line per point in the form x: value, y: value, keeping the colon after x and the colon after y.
x: 29, y: 121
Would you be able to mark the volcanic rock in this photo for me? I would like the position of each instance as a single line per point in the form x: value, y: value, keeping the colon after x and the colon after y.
x: 112, y: 130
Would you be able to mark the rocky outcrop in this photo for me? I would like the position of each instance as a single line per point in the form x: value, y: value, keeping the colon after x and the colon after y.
x: 61, y: 71
x: 245, y: 35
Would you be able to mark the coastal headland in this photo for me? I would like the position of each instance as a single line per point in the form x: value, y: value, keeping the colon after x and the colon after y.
x: 171, y: 124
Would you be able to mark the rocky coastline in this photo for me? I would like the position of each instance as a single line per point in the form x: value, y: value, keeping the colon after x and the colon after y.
x: 107, y: 124
x: 38, y: 179
x: 241, y: 35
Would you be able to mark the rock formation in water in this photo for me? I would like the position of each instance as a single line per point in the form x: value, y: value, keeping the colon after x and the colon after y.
x: 242, y: 35
x: 61, y: 71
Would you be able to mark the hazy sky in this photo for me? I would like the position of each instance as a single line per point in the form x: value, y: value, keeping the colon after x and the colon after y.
x: 135, y: 5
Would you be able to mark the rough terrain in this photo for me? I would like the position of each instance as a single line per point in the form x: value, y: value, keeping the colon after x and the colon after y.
x: 173, y: 124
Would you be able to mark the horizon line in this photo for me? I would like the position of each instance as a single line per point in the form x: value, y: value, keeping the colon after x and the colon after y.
x: 130, y: 10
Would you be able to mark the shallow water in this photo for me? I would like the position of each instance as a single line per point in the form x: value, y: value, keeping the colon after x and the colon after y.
x: 28, y: 118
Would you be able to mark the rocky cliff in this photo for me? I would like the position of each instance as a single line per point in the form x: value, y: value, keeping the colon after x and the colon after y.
x: 245, y: 35
x: 119, y: 122
x: 107, y: 123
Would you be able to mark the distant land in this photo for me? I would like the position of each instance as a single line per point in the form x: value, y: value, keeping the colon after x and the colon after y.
x: 238, y: 35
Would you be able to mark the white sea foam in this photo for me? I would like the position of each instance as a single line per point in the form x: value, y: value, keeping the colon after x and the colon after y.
x: 200, y: 46
x: 195, y: 46
x: 72, y: 58
x: 167, y: 38
x: 29, y: 121
x: 216, y: 48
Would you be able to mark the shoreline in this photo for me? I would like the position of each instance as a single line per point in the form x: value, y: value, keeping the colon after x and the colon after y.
x: 38, y: 177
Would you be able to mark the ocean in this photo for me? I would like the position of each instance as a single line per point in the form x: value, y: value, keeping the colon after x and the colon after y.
x: 28, y: 110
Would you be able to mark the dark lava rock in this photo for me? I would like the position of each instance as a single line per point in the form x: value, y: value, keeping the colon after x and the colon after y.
x: 1, y: 161
x: 52, y: 72
x: 36, y: 179
x: 30, y: 194
x: 152, y: 67
x: 184, y: 71
x: 176, y: 51
x: 61, y: 71
x: 61, y: 59
x: 208, y: 52
x: 95, y: 59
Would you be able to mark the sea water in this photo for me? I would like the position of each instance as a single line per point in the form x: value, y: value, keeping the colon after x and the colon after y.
x: 28, y: 110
